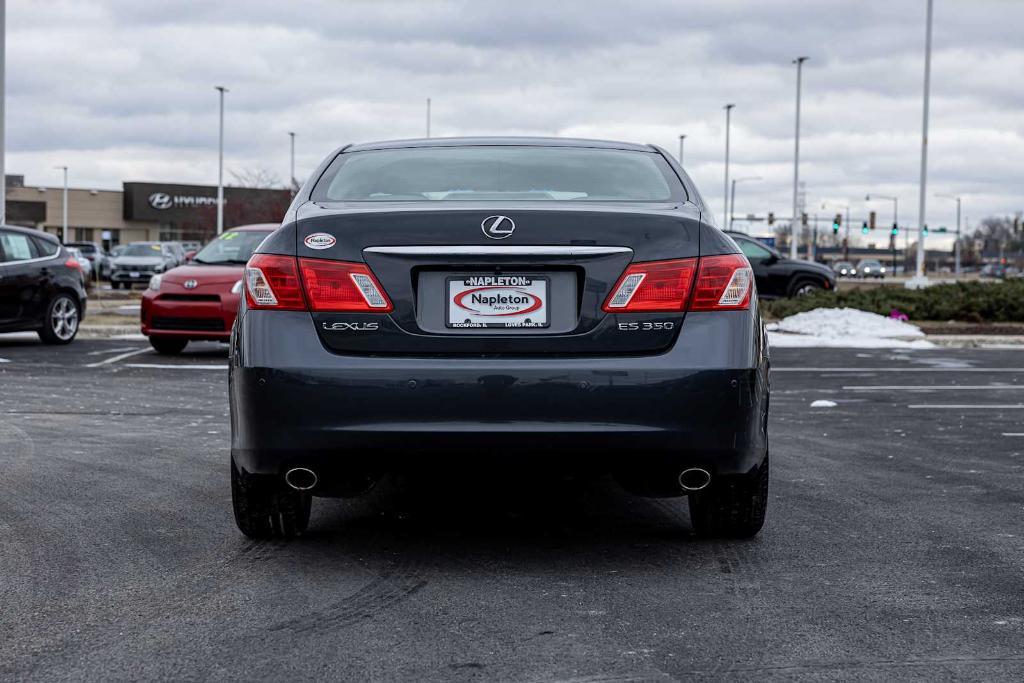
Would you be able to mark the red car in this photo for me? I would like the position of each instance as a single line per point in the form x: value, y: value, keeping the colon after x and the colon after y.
x: 198, y: 301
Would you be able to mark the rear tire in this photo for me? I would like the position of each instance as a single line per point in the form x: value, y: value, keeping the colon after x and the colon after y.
x: 264, y: 510
x: 732, y: 506
x: 805, y: 287
x: 61, y: 322
x: 168, y: 346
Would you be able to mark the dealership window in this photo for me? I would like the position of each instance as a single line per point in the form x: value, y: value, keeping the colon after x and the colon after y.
x: 83, y: 234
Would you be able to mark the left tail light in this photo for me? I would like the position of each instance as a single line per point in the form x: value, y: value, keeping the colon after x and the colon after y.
x: 708, y: 283
x: 72, y: 263
x: 286, y: 283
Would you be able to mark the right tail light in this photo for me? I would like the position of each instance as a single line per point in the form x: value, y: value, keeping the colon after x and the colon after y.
x: 708, y: 283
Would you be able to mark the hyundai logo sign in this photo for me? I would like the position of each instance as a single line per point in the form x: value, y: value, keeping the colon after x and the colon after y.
x: 162, y: 201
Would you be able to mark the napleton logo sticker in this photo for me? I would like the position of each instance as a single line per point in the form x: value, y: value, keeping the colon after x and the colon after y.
x: 320, y: 240
x: 498, y: 301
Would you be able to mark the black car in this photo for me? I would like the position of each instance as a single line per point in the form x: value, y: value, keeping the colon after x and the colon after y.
x: 778, y: 276
x: 520, y: 305
x: 41, y: 286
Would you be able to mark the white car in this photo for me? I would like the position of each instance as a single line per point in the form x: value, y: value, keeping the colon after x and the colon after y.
x: 83, y: 262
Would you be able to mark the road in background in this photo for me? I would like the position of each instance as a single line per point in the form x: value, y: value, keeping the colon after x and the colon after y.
x: 893, y: 546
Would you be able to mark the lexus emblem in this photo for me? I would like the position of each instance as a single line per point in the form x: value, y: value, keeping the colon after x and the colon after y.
x: 190, y: 284
x: 160, y: 200
x: 498, y: 227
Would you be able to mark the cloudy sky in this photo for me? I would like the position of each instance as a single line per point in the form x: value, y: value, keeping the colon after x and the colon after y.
x: 124, y: 90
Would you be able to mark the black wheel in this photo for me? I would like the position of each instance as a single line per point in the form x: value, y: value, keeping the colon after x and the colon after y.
x: 263, y: 509
x: 168, y: 346
x: 61, y: 323
x: 805, y: 287
x: 731, y: 507
x: 115, y: 285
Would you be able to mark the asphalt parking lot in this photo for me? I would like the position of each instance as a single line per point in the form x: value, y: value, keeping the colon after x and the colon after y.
x: 894, y: 544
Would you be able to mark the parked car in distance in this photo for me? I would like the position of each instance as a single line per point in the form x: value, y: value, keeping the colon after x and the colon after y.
x: 778, y: 276
x: 101, y: 261
x: 116, y: 251
x: 521, y: 305
x: 191, y: 245
x: 844, y: 269
x: 83, y: 262
x: 40, y: 286
x: 199, y: 300
x: 871, y: 268
x: 140, y: 261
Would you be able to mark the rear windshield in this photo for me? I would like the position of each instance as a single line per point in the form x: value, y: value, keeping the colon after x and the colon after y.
x: 499, y: 173
x: 231, y: 247
x: 142, y: 249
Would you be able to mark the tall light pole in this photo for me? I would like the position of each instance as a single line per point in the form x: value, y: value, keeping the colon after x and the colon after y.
x: 732, y: 198
x: 725, y: 189
x: 956, y: 245
x: 794, y: 231
x: 3, y: 96
x: 681, y: 139
x: 64, y: 206
x: 291, y: 174
x: 921, y: 218
x: 220, y: 163
x: 428, y: 117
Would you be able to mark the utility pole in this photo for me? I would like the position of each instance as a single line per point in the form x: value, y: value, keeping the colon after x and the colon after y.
x: 64, y: 208
x: 681, y: 138
x: 428, y: 117
x: 3, y: 97
x: 291, y: 174
x: 725, y: 189
x: 922, y: 220
x: 794, y: 230
x: 220, y: 163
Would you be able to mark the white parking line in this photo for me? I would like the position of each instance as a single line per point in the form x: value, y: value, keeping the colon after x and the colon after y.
x: 968, y: 406
x: 4, y: 360
x: 895, y: 369
x: 167, y: 366
x: 926, y: 387
x: 103, y: 352
x: 114, y: 359
x: 1013, y: 433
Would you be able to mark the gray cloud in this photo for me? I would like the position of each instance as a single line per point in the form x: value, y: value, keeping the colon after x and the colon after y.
x: 124, y: 89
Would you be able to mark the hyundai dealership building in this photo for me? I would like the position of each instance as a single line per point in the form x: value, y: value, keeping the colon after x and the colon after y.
x: 140, y: 211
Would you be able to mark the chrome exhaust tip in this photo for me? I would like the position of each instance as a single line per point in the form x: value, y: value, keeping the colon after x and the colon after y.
x: 300, y: 478
x: 694, y: 479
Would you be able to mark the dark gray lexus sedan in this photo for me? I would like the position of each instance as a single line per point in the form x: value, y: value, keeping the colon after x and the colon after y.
x: 507, y: 304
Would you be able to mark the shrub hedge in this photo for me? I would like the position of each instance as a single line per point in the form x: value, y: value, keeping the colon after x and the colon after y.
x: 975, y: 302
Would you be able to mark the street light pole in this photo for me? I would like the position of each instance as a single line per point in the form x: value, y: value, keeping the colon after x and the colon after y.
x: 64, y: 207
x: 220, y: 163
x: 956, y: 245
x: 732, y: 199
x: 922, y: 220
x: 794, y: 231
x: 725, y: 189
x: 291, y: 174
x: 3, y: 96
x: 681, y: 138
x: 428, y: 117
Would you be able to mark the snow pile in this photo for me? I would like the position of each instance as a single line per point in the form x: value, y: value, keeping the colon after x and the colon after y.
x: 846, y: 327
x: 822, y: 403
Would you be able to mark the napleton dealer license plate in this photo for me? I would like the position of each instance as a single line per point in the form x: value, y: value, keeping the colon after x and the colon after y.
x: 497, y: 301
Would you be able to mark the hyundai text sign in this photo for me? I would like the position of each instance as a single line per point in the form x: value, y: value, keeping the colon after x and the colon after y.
x: 162, y: 201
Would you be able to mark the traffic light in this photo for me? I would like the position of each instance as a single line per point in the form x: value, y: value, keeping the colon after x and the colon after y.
x: 924, y: 231
x: 871, y: 220
x: 771, y: 218
x: 895, y: 229
x: 864, y: 228
x: 803, y: 218
x: 836, y: 223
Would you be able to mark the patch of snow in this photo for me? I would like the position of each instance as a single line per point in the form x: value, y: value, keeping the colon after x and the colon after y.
x: 846, y: 328
x: 822, y: 403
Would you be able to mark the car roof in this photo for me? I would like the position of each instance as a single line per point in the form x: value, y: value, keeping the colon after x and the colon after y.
x: 498, y: 141
x: 31, y: 231
x: 252, y: 226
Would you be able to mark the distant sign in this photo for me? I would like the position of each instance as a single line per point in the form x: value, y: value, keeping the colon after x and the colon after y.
x: 769, y: 241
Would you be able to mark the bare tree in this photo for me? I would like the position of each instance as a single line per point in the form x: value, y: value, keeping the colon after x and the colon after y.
x: 256, y: 177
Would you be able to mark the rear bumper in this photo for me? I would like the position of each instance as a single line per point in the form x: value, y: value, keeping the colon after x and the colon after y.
x: 704, y: 401
x: 195, y: 320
